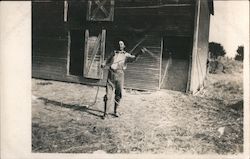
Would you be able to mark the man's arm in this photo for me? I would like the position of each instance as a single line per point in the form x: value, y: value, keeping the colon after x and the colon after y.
x: 142, y: 51
x: 108, y: 60
x: 129, y: 55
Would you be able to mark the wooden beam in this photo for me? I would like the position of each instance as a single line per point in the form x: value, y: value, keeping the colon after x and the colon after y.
x: 160, y: 81
x: 89, y: 10
x: 111, y: 15
x: 68, y: 52
x: 103, y: 41
x: 86, y: 48
x: 195, y: 43
x: 155, y: 6
x: 189, y: 72
x: 169, y: 62
x: 100, y: 6
x: 66, y: 7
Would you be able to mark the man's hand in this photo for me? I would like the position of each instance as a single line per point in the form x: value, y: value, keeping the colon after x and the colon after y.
x: 103, y: 65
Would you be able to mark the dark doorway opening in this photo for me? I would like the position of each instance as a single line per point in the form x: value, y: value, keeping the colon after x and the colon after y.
x: 76, y: 63
x: 175, y: 62
x: 179, y: 47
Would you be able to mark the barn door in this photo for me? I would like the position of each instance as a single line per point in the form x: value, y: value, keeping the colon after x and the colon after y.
x: 94, y: 53
x: 100, y: 10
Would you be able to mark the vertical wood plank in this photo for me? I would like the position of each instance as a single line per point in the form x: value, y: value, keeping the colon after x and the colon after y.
x: 160, y: 63
x: 66, y: 6
x: 68, y: 52
x: 86, y: 48
x: 189, y: 72
x: 112, y: 10
x: 89, y: 10
x: 103, y: 40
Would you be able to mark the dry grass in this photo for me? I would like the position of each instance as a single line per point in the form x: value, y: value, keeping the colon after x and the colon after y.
x: 151, y: 122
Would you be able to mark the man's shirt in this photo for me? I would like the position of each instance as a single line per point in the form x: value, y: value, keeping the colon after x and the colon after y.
x: 118, y: 61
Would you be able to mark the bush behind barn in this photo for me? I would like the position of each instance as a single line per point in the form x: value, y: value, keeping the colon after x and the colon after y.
x: 225, y: 65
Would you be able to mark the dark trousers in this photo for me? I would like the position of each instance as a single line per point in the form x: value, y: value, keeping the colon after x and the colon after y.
x: 114, y: 89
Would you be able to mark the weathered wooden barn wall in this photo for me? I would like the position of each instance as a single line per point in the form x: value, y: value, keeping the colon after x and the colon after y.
x: 200, y: 49
x: 49, y: 40
x: 58, y: 50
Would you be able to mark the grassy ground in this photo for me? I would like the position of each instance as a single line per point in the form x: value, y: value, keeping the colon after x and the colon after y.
x: 151, y: 122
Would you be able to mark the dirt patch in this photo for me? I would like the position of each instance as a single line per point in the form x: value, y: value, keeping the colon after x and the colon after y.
x: 150, y: 122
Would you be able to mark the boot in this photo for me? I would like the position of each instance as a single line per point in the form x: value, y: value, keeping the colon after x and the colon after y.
x: 115, y: 109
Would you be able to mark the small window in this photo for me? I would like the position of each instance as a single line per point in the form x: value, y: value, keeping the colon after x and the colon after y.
x: 100, y: 10
x: 94, y: 53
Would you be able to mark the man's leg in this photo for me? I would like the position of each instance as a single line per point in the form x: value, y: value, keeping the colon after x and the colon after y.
x: 108, y: 98
x: 118, y: 93
x: 118, y: 97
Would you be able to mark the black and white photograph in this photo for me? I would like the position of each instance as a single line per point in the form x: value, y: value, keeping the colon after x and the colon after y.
x: 136, y: 76
x: 161, y: 77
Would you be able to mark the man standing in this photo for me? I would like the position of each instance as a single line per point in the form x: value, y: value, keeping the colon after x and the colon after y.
x: 115, y: 79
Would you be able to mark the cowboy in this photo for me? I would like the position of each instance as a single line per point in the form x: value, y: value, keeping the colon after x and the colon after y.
x: 115, y: 79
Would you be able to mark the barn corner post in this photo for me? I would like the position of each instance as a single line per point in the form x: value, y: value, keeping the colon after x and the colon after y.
x: 200, y: 45
x: 195, y: 48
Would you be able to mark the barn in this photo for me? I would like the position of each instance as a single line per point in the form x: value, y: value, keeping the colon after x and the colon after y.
x: 70, y: 40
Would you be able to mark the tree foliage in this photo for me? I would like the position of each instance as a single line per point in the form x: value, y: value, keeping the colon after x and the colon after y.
x: 240, y: 53
x: 216, y: 50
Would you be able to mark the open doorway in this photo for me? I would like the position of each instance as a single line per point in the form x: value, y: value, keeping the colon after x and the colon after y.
x: 76, y: 52
x: 175, y: 62
x: 86, y: 53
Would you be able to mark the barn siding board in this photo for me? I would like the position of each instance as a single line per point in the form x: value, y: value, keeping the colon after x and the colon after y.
x: 126, y: 3
x: 50, y: 47
x: 49, y: 32
x: 144, y: 72
x: 200, y: 51
x: 48, y: 12
x: 168, y: 24
x: 51, y: 65
x: 173, y: 11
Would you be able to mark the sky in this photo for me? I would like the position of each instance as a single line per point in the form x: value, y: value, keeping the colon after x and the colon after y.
x: 230, y: 24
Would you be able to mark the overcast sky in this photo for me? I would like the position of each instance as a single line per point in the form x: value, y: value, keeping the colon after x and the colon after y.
x: 230, y: 24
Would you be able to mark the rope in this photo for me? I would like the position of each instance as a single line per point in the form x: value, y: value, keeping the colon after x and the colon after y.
x: 95, y: 100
